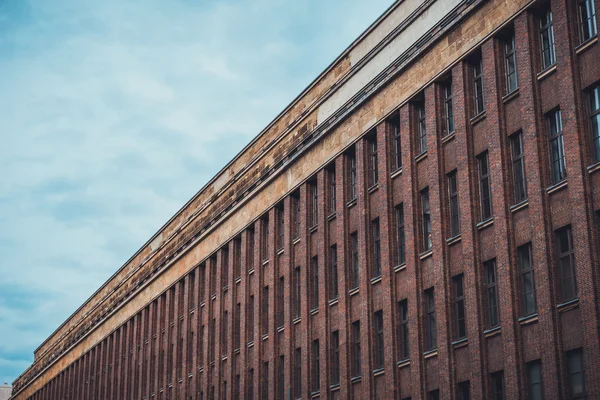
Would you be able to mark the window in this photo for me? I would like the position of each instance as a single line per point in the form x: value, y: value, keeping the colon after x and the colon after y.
x: 352, y: 171
x: 250, y: 322
x: 403, y: 329
x: 433, y: 395
x: 211, y: 342
x: 202, y: 289
x: 237, y: 326
x: 497, y: 385
x: 281, y: 383
x: 265, y: 238
x: 421, y: 128
x: 547, y: 40
x: 534, y: 380
x: 394, y: 124
x: 478, y: 102
x: 460, y: 326
x: 354, y: 250
x: 314, y: 270
x: 400, y: 238
x: 378, y: 348
x: 518, y: 166
x: 279, y: 315
x: 491, y: 289
x: 332, y: 185
x: 373, y: 177
x: 250, y: 249
x: 448, y: 108
x: 430, y: 327
x: 426, y: 219
x: 510, y: 56
x: 356, y: 349
x: 587, y: 20
x: 314, y: 204
x: 225, y: 333
x: 558, y: 168
x: 527, y: 279
x: 297, y: 217
x: 454, y: 209
x: 576, y: 374
x: 224, y: 389
x: 316, y: 370
x: 236, y: 388
x: 213, y: 275
x: 298, y: 373
x: 594, y: 97
x: 296, y: 293
x: 237, y: 257
x: 280, y: 227
x: 335, y: 358
x: 251, y: 384
x: 200, y: 344
x: 485, y: 190
x: 376, y: 238
x: 265, y: 311
x: 265, y: 380
x: 225, y: 266
x: 463, y: 390
x: 566, y: 264
x: 333, y: 274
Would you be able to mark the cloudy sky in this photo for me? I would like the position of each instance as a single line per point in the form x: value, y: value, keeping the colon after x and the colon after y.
x: 114, y: 113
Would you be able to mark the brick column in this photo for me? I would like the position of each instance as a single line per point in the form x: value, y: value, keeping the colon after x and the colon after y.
x: 412, y: 252
x: 341, y: 172
x: 388, y: 276
x: 466, y: 176
x: 443, y: 293
x: 364, y: 234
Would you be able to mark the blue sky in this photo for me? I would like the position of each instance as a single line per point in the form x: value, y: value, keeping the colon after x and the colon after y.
x: 114, y: 113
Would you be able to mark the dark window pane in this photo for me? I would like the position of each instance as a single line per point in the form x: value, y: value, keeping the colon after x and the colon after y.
x: 511, y: 64
x: 576, y: 374
x: 485, y: 191
x: 594, y: 102
x: 400, y: 238
x: 426, y: 219
x: 449, y: 108
x: 547, y: 40
x: 518, y: 164
x: 534, y: 377
x: 421, y: 129
x: 376, y: 248
x: 587, y: 20
x: 491, y: 283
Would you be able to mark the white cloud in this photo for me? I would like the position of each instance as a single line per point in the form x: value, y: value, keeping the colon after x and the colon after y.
x: 113, y: 114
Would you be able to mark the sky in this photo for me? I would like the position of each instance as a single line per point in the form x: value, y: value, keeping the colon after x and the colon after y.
x: 114, y: 113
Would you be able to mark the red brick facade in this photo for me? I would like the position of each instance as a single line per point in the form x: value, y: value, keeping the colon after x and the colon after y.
x: 219, y: 333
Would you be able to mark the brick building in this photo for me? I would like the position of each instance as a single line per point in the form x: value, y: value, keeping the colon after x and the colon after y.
x: 421, y: 222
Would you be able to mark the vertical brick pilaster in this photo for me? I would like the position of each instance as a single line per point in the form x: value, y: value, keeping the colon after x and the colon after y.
x: 442, y: 277
x: 387, y: 265
x: 412, y: 252
x: 341, y: 172
x: 467, y: 178
x: 364, y: 235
